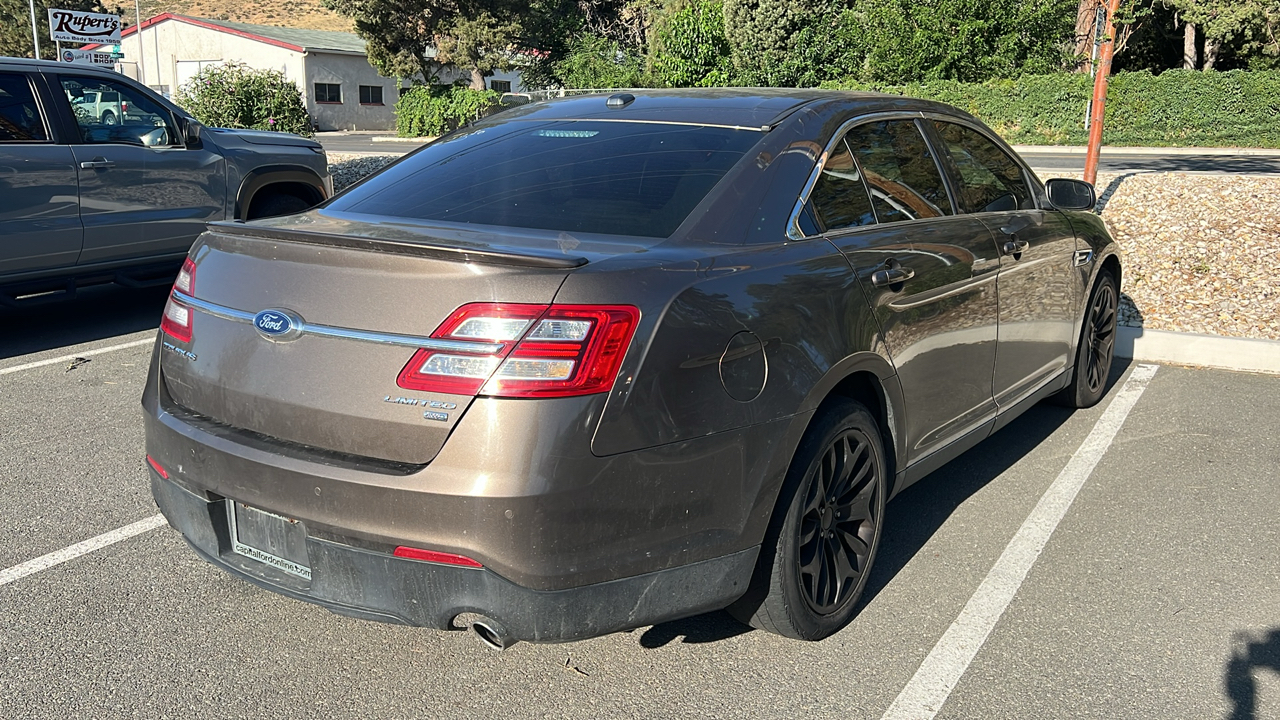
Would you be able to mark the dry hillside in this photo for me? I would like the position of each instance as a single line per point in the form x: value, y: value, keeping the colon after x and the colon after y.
x: 309, y: 14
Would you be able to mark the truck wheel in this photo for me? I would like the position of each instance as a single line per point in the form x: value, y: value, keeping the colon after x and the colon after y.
x: 817, y: 555
x: 108, y: 118
x: 271, y: 204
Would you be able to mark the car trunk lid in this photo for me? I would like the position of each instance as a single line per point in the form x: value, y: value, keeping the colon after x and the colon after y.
x: 301, y: 335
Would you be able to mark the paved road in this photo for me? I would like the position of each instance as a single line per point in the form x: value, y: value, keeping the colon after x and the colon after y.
x: 1040, y: 160
x: 1135, y: 162
x: 363, y: 143
x: 1158, y: 595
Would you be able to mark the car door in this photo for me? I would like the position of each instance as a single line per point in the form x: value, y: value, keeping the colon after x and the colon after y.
x: 143, y: 193
x: 39, y: 206
x: 1037, y: 293
x: 929, y: 274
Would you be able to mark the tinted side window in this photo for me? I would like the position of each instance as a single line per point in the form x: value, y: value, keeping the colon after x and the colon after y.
x: 839, y: 197
x: 111, y: 112
x: 19, y: 115
x: 900, y: 171
x: 990, y: 180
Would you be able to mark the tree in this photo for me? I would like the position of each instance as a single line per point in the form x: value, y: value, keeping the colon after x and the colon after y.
x: 763, y: 32
x: 595, y: 61
x: 1252, y: 24
x: 15, y: 24
x: 481, y: 44
x: 1086, y: 30
x: 912, y: 40
x: 690, y: 46
x: 404, y: 36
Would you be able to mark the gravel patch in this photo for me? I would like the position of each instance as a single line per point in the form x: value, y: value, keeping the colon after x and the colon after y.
x: 347, y: 168
x: 1201, y: 253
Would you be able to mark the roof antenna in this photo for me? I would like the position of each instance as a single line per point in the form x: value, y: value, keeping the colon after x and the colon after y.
x: 620, y: 100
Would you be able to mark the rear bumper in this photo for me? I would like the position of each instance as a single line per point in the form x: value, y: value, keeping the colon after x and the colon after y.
x: 378, y: 586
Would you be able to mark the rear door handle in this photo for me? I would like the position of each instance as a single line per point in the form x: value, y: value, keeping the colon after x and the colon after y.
x: 98, y: 162
x: 891, y: 276
x: 1015, y: 247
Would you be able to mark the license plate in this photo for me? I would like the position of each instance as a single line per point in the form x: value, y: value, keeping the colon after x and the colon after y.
x: 269, y: 538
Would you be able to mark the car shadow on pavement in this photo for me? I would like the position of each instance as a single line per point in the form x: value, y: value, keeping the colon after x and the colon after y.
x: 95, y: 313
x: 917, y: 513
x: 1250, y: 652
x: 914, y: 516
x: 705, y: 628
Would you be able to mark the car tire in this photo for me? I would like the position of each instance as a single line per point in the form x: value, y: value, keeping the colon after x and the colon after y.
x: 275, y: 203
x: 814, y: 563
x: 108, y: 118
x: 1096, y: 348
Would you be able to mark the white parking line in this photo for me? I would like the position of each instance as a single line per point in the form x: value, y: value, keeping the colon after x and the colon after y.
x: 937, y: 676
x: 57, y: 557
x: 69, y: 358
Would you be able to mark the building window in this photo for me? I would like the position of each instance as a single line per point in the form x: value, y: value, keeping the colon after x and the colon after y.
x: 405, y: 90
x: 370, y: 94
x: 328, y: 93
x: 500, y: 85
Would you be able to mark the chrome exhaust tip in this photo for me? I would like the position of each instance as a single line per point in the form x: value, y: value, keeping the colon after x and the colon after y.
x: 492, y: 634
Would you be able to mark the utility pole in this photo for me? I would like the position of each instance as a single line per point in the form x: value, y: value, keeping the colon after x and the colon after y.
x: 1096, y: 108
x: 142, y: 70
x: 35, y: 34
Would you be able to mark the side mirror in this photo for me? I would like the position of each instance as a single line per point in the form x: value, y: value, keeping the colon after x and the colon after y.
x: 191, y: 131
x: 1067, y: 194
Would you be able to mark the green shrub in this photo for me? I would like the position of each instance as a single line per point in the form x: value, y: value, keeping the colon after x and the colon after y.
x: 428, y: 110
x: 1176, y: 108
x: 597, y: 62
x: 236, y: 96
x: 692, y: 48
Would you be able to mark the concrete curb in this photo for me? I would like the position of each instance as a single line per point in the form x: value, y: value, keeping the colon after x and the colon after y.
x: 1214, y: 351
x: 1081, y: 150
x: 393, y: 138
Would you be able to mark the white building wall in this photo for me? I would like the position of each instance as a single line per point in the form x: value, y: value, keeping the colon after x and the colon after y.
x: 159, y: 48
x: 167, y: 53
x: 350, y: 72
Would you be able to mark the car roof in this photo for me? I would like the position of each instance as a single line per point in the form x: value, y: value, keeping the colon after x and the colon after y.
x: 55, y: 66
x: 736, y: 107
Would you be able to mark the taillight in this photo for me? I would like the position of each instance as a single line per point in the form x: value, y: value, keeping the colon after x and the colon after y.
x: 176, y: 322
x: 546, y: 351
x: 435, y: 556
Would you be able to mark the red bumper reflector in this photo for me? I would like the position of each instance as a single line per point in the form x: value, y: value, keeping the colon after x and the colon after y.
x: 436, y: 557
x: 156, y: 466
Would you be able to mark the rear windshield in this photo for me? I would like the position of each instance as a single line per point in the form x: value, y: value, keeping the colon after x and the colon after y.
x: 618, y: 178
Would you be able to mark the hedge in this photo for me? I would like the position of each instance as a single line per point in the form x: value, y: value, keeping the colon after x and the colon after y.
x: 437, y: 109
x: 1237, y: 108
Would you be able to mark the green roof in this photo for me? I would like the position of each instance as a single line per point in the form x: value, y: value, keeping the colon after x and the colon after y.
x: 306, y: 39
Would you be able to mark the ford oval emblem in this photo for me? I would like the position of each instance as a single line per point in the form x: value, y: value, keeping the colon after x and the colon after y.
x: 277, y: 324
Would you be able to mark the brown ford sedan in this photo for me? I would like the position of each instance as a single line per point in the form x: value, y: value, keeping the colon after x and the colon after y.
x: 601, y: 362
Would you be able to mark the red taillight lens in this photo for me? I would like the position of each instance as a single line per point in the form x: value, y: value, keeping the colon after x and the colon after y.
x: 546, y: 351
x: 573, y: 350
x: 176, y: 322
x: 157, y: 467
x: 435, y: 557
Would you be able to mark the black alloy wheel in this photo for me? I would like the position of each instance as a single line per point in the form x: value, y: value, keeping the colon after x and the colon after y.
x: 1097, y: 345
x: 1100, y: 336
x: 822, y: 540
x: 840, y: 522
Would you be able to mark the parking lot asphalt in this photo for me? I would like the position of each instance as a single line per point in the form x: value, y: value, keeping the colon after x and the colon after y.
x: 1156, y: 596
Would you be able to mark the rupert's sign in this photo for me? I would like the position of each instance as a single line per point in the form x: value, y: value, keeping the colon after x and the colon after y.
x: 83, y: 27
